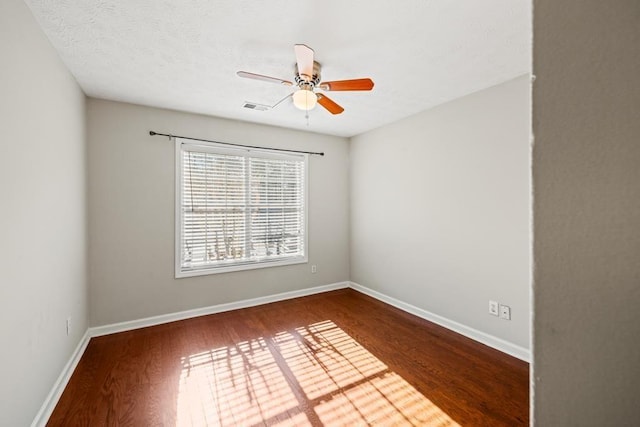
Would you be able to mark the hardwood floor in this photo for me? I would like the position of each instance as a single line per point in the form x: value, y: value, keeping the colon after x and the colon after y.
x: 338, y: 358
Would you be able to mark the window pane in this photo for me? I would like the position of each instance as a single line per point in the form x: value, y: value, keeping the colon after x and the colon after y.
x: 277, y: 215
x: 213, y: 206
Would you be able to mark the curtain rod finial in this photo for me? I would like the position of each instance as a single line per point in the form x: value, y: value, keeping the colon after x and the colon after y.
x: 152, y: 133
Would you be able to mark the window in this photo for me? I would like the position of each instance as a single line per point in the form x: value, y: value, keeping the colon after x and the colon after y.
x: 238, y: 209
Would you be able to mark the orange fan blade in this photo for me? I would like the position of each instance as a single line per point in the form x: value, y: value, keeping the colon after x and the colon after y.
x: 329, y: 105
x: 253, y: 76
x: 304, y: 58
x: 356, y: 84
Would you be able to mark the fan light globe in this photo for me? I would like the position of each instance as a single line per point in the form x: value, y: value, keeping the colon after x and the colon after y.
x: 305, y: 99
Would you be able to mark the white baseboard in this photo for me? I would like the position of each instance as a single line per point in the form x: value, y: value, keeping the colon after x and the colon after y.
x: 219, y: 308
x: 482, y: 337
x: 54, y: 395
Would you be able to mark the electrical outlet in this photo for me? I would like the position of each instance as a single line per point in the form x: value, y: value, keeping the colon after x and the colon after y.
x: 505, y: 312
x: 314, y: 269
x: 493, y: 308
x: 68, y: 325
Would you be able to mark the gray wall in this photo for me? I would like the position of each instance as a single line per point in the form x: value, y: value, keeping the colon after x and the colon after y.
x: 440, y: 209
x: 42, y: 216
x: 131, y: 213
x: 586, y: 180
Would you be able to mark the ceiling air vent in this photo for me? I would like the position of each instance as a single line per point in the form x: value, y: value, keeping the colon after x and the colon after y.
x: 254, y: 106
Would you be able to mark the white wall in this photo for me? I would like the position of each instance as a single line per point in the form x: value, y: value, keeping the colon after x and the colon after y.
x: 586, y: 182
x: 131, y: 213
x: 42, y: 216
x: 440, y: 209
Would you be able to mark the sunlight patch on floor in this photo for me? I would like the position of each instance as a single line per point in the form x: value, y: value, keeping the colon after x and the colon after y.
x: 238, y: 385
x: 312, y: 375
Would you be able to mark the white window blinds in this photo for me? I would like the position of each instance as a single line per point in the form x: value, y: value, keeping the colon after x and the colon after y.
x: 238, y: 209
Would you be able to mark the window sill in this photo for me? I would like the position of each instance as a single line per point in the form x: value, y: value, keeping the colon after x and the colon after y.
x: 180, y: 274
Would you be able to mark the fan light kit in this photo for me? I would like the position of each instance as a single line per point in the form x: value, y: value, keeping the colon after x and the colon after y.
x: 307, y: 79
x: 305, y: 99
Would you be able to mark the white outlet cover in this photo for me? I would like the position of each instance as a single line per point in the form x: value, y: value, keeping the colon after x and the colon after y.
x: 505, y: 312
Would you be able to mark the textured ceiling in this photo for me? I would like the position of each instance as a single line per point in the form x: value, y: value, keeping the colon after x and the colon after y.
x: 184, y: 54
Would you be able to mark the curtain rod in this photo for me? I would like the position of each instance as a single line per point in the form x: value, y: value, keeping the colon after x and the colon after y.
x: 152, y: 133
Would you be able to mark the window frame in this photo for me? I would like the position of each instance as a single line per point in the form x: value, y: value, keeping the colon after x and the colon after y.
x: 244, y: 152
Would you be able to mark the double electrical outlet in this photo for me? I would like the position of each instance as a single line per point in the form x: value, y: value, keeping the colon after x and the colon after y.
x: 497, y: 309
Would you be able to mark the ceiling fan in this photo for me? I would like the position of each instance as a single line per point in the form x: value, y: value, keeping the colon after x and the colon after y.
x: 308, y: 80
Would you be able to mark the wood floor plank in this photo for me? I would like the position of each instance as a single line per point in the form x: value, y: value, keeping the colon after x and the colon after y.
x: 338, y: 358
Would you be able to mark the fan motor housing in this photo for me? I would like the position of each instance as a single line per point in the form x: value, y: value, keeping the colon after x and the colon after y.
x: 308, y: 82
